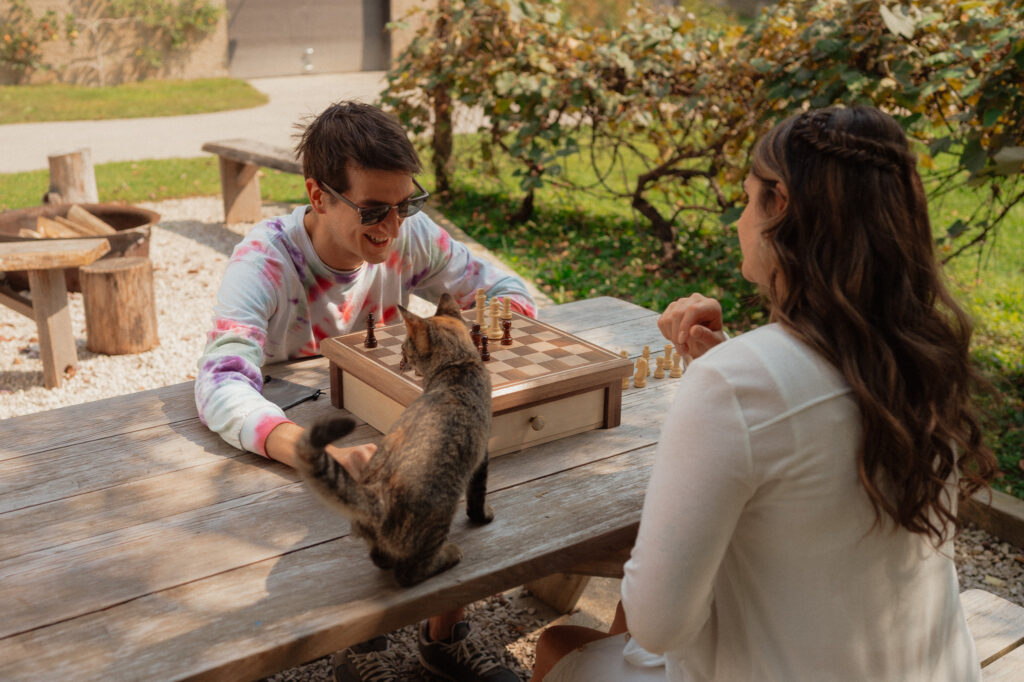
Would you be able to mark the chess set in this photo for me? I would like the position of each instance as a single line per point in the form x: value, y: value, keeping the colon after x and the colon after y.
x: 546, y: 383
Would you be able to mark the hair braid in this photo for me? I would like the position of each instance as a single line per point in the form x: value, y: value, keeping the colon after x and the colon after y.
x: 817, y: 129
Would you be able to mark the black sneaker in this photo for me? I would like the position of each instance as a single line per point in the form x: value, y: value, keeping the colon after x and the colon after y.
x: 365, y: 662
x: 460, y: 658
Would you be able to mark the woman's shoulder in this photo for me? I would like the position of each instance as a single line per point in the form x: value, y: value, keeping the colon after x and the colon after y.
x: 773, y: 358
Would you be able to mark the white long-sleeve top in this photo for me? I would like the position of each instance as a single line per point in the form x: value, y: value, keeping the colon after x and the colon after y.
x: 756, y: 558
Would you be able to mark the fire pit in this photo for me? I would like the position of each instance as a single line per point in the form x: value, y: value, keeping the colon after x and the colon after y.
x: 132, y: 239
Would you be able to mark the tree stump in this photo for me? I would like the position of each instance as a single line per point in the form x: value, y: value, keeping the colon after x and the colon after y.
x: 73, y: 177
x: 120, y: 310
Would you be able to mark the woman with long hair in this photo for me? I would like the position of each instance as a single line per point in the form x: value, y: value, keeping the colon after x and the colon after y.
x: 799, y: 519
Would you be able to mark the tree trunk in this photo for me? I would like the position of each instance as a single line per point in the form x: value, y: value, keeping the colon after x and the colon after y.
x: 73, y: 178
x: 440, y: 96
x: 120, y: 310
x: 661, y: 228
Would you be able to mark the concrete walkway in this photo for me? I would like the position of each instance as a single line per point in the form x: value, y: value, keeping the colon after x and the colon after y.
x: 25, y: 146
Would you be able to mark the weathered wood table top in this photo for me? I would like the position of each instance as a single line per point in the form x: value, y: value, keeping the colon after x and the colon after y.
x: 135, y: 544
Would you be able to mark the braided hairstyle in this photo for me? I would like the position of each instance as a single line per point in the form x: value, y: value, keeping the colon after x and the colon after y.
x: 855, y: 276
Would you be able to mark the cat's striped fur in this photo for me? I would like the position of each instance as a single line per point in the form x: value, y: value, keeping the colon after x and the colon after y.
x: 407, y: 495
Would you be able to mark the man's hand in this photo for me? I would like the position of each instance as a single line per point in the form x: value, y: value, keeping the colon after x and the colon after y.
x: 693, y: 324
x: 354, y: 458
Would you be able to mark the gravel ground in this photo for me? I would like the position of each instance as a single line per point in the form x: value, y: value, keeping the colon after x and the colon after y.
x: 189, y: 250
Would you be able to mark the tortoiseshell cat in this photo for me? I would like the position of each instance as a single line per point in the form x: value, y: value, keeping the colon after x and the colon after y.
x: 437, y: 448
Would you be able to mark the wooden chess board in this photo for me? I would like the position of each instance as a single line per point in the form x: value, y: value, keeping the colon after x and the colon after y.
x: 547, y: 384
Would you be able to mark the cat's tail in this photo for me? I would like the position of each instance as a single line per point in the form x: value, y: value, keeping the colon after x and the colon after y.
x: 326, y: 431
x: 322, y: 473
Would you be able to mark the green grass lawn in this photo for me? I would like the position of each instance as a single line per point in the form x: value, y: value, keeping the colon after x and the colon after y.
x: 39, y: 103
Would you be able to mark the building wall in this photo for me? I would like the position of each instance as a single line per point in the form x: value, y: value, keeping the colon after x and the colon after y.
x: 106, y: 52
x: 400, y: 9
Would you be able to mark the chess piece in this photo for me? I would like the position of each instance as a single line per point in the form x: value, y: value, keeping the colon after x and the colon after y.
x: 642, y: 370
x: 481, y: 297
x: 476, y: 331
x: 371, y: 339
x: 668, y: 355
x: 647, y: 358
x: 677, y: 370
x: 659, y: 373
x: 485, y: 355
x: 506, y: 309
x: 506, y: 332
x: 625, y: 380
x: 494, y: 331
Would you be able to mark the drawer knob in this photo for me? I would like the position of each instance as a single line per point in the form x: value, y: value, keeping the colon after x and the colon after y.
x: 537, y: 423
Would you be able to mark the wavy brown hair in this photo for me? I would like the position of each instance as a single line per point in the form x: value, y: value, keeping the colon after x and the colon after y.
x: 855, y: 276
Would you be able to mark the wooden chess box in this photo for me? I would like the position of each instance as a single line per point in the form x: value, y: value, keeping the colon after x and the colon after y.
x: 546, y: 385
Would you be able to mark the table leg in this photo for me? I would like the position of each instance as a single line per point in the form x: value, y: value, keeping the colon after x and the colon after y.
x: 337, y: 394
x: 560, y: 591
x: 53, y: 320
x: 240, y: 187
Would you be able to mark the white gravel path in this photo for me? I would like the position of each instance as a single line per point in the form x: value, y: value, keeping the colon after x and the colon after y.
x: 189, y: 250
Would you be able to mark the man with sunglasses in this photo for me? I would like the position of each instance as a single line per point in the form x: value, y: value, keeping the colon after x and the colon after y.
x: 361, y: 245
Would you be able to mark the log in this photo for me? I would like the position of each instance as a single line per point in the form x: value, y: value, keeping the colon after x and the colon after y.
x: 120, y: 310
x: 72, y: 177
x: 51, y: 229
x: 89, y: 222
x: 74, y: 227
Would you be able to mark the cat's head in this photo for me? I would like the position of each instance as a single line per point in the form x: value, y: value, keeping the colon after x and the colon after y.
x: 433, y: 342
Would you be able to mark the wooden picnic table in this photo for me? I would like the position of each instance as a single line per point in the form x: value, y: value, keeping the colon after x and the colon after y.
x: 136, y: 544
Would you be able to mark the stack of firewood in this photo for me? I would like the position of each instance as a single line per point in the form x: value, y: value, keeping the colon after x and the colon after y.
x: 78, y: 223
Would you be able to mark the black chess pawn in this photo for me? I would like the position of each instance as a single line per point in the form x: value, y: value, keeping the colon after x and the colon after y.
x: 475, y: 334
x: 506, y: 335
x: 484, y: 353
x: 371, y: 339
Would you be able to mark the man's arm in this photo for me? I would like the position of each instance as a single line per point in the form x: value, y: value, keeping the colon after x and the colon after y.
x: 451, y: 267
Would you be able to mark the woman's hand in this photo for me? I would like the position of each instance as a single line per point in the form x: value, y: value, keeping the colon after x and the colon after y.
x: 353, y: 459
x: 693, y: 324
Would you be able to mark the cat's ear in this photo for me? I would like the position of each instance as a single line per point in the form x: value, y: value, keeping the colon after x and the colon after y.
x: 447, y: 306
x: 416, y: 328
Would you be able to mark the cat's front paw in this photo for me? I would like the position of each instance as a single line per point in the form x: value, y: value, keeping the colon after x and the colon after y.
x: 483, y: 515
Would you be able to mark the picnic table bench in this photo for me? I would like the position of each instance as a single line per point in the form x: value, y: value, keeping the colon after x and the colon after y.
x: 240, y: 161
x: 45, y: 260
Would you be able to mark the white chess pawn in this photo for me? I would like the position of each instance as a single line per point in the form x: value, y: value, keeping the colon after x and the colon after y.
x: 659, y: 373
x: 677, y: 370
x: 625, y: 380
x: 642, y: 370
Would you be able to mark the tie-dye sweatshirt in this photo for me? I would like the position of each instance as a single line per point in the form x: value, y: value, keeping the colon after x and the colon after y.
x: 278, y: 300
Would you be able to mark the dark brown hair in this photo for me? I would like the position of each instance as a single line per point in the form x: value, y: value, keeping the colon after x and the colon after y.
x: 855, y: 276
x: 357, y: 133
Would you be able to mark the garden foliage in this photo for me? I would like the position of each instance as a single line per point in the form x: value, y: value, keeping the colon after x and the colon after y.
x: 659, y: 112
x: 667, y: 108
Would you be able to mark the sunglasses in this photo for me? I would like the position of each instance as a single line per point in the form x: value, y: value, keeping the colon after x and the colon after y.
x: 374, y: 214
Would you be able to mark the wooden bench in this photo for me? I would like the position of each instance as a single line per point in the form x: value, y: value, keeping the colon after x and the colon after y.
x: 45, y: 260
x: 240, y: 160
x: 997, y: 626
